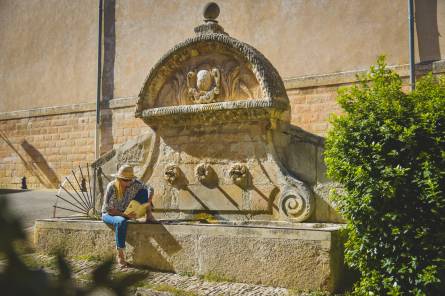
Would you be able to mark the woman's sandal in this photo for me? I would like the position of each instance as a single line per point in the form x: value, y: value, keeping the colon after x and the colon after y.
x: 122, y: 263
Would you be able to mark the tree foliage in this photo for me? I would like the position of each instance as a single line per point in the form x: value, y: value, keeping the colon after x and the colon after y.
x: 16, y: 278
x: 388, y: 151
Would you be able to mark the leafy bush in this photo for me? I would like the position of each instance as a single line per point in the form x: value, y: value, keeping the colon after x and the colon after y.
x: 388, y: 151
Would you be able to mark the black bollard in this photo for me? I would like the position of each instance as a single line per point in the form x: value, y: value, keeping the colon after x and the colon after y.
x: 83, y: 185
x: 24, y: 186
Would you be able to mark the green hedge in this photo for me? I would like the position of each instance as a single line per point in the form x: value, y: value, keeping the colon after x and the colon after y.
x: 388, y: 151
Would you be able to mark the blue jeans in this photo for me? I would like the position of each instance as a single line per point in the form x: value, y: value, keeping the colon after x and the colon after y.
x: 120, y: 228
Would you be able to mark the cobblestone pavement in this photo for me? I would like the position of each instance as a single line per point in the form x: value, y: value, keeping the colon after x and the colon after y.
x: 162, y: 283
x: 198, y: 286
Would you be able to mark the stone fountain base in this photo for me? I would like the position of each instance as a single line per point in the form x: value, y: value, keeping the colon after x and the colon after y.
x: 304, y: 256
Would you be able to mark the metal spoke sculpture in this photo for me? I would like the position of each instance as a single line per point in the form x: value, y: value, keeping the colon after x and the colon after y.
x: 78, y: 193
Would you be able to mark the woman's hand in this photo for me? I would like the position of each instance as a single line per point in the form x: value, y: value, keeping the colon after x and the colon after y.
x: 114, y: 212
x: 131, y: 216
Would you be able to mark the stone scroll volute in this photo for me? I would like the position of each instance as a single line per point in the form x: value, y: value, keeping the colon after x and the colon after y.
x: 295, y: 205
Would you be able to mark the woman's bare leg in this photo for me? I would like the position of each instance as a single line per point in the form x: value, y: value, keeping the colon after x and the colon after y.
x: 121, y: 257
x: 149, y: 214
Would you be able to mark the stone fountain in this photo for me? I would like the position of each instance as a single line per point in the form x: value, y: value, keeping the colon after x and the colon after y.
x: 220, y: 149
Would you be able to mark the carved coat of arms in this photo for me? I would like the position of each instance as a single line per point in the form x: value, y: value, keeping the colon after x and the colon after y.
x: 204, y: 86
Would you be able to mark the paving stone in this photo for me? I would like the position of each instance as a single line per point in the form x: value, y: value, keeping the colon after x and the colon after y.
x: 150, y: 292
x: 192, y: 285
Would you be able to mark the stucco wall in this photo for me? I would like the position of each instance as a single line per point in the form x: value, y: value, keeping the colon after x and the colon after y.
x: 47, y: 53
x: 48, y: 48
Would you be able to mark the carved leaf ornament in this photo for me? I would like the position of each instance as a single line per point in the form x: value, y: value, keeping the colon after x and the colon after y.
x: 171, y: 173
x: 238, y: 173
x: 202, y: 171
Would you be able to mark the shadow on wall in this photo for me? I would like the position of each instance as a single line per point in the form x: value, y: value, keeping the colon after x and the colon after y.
x: 47, y: 175
x: 108, y: 76
x: 106, y: 131
x: 427, y: 30
x: 50, y: 179
x: 305, y: 160
x: 156, y: 250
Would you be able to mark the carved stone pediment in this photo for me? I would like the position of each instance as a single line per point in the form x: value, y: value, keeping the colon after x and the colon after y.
x: 221, y: 77
x: 210, y: 68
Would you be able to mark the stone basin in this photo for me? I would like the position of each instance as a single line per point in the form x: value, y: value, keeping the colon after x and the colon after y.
x: 301, y: 256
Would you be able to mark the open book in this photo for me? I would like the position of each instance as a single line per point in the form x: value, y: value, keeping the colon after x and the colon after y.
x: 136, y: 207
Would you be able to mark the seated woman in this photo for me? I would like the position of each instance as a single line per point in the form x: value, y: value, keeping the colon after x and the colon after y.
x: 118, y: 195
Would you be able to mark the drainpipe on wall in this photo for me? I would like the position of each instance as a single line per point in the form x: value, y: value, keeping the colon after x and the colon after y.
x: 412, y: 65
x: 99, y: 87
x: 99, y: 78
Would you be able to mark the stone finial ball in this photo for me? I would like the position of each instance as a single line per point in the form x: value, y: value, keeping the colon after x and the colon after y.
x: 204, y: 80
x: 211, y: 11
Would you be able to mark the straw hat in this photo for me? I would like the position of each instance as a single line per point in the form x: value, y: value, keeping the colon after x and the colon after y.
x: 125, y: 172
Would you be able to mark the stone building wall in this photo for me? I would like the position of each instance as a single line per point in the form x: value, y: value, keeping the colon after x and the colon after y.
x: 48, y: 53
x: 44, y: 144
x: 49, y: 49
x: 312, y: 106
